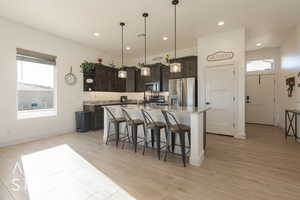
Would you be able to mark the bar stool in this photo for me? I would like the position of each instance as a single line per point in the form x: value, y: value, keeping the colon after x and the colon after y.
x: 155, y: 128
x: 179, y: 129
x: 133, y: 123
x: 116, y: 121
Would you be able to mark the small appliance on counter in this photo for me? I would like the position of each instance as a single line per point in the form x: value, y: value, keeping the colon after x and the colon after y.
x: 153, y: 87
x: 156, y: 100
x: 123, y: 99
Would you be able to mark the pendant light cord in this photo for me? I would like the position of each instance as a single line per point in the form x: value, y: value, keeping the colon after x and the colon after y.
x: 145, y: 41
x: 122, y: 46
x: 145, y: 15
x: 175, y: 30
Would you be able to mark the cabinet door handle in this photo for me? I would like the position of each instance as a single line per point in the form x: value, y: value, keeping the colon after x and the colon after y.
x: 207, y: 103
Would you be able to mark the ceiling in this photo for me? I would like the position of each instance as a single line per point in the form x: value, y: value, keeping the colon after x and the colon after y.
x: 266, y: 21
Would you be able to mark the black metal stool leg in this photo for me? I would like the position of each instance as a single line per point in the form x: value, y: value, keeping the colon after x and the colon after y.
x: 173, y: 135
x: 157, y: 135
x: 134, y: 134
x: 145, y: 139
x: 167, y: 143
x: 127, y: 131
x: 152, y: 138
x: 182, y: 144
x: 285, y: 128
x: 108, y: 129
x: 296, y: 127
x: 117, y: 133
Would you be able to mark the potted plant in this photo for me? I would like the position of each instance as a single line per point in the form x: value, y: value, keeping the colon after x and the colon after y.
x: 87, y: 67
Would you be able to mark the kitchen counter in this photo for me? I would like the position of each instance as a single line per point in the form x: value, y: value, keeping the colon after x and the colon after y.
x: 183, y: 109
x: 195, y: 117
x: 107, y: 103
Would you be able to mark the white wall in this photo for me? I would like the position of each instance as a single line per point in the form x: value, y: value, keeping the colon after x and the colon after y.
x: 290, y: 66
x: 233, y: 41
x: 69, y: 97
x: 180, y: 53
x: 270, y: 53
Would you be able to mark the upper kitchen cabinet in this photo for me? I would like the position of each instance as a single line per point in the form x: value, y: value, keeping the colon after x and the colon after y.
x: 155, y: 72
x: 102, y: 75
x: 140, y: 81
x: 131, y: 79
x: 165, y: 76
x: 188, y: 67
x: 106, y: 80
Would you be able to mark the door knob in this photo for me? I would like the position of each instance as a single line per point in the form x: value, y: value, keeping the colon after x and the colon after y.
x: 207, y: 103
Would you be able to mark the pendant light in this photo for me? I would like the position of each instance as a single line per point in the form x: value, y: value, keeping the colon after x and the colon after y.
x: 122, y: 73
x: 175, y: 67
x: 145, y: 71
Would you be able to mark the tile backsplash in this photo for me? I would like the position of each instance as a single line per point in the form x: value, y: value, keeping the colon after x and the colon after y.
x: 107, y: 96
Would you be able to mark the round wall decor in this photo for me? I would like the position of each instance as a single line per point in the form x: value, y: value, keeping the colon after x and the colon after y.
x: 70, y: 78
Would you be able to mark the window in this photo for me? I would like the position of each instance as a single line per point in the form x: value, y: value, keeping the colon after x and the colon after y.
x: 259, y: 65
x: 35, y: 84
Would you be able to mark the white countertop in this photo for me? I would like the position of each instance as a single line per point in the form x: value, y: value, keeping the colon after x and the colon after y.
x: 184, y: 109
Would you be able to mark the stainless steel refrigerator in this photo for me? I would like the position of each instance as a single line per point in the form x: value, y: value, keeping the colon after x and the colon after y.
x: 182, y: 92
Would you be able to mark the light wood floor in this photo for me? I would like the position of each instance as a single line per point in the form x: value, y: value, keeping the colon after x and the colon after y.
x: 265, y: 166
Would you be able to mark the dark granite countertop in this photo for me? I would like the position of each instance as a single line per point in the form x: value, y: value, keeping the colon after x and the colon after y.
x: 111, y: 102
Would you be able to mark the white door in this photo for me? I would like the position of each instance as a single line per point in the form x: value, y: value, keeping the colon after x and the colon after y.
x: 260, y: 99
x: 220, y: 93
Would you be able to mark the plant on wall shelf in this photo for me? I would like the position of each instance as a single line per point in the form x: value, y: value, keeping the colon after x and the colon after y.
x: 87, y: 67
x: 167, y: 59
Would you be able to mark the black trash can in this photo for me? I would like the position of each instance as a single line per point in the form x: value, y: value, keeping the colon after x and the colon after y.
x: 83, y: 121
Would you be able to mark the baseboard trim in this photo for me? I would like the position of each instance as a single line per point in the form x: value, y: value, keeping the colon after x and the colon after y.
x: 240, y: 136
x: 197, y: 161
x: 34, y: 138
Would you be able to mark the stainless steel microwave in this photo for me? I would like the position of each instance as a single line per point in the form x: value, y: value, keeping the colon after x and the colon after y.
x: 153, y: 86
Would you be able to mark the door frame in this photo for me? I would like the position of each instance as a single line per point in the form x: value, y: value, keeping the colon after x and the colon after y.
x: 234, y: 65
x: 275, y: 96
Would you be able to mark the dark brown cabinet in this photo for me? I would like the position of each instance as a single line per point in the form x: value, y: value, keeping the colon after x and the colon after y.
x: 131, y: 80
x: 106, y: 78
x: 165, y: 76
x: 97, y: 116
x: 155, y: 72
x: 140, y: 81
x: 102, y: 74
x: 188, y: 67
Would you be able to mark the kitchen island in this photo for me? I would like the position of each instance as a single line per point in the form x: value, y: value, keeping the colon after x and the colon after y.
x: 195, y: 117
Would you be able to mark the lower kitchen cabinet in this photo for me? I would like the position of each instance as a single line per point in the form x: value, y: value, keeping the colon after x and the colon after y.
x: 97, y: 116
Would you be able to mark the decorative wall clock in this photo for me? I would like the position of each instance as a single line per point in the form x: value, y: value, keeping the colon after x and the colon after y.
x: 70, y: 78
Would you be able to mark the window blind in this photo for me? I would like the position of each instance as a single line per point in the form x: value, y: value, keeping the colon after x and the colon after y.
x: 36, y: 57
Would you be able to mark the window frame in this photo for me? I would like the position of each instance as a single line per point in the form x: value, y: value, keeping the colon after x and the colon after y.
x: 272, y: 60
x: 38, y: 113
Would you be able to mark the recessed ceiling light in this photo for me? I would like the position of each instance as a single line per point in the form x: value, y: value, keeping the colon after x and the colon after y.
x: 165, y: 38
x: 258, y: 44
x: 221, y: 23
x: 96, y: 34
x: 128, y: 48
